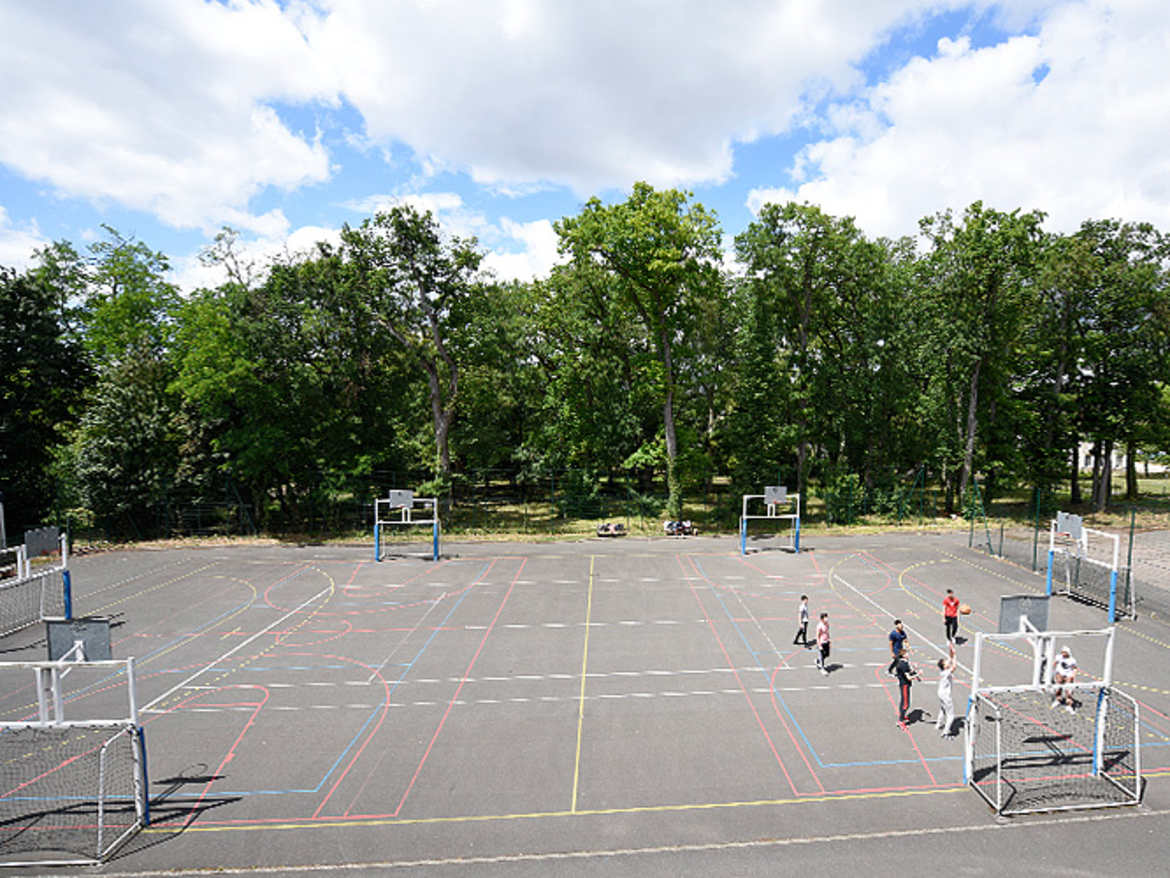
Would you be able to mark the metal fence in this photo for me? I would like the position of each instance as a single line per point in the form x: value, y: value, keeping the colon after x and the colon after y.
x: 475, y: 502
x: 1143, y: 581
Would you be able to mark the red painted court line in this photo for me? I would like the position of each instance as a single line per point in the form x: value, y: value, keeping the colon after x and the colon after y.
x: 231, y: 753
x: 776, y: 709
x: 739, y: 680
x: 913, y: 743
x: 369, y: 737
x: 466, y: 677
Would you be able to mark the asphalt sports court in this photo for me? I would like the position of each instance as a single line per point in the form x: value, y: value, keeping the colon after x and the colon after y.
x: 597, y: 706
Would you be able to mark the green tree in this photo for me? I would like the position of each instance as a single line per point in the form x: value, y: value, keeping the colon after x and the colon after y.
x: 1123, y: 343
x: 662, y: 253
x: 125, y: 452
x: 129, y: 303
x: 411, y: 281
x: 294, y: 391
x: 42, y: 380
x: 595, y: 374
x: 979, y: 285
x: 837, y: 334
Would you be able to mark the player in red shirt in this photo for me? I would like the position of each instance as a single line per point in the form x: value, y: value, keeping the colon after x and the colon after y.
x: 951, y: 615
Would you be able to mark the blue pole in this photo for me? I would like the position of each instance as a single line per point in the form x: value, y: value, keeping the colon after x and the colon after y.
x: 796, y: 541
x: 67, y: 586
x: 1112, y: 596
x: 435, y: 553
x: 145, y: 777
x: 377, y: 541
x: 743, y: 536
x: 1097, y: 754
x: 967, y: 727
x: 1048, y: 591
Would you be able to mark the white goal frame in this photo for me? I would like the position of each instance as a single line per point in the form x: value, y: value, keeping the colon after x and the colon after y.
x: 48, y: 677
x: 775, y: 498
x: 1068, y: 536
x: 1100, y: 696
x: 403, y: 509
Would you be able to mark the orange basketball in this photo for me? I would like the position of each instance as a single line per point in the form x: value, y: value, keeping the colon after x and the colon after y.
x: 965, y: 609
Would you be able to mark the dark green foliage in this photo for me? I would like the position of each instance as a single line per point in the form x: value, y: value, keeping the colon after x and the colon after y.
x: 43, y: 373
x: 875, y: 376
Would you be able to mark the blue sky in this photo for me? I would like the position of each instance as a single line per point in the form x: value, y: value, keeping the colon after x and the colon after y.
x: 285, y: 120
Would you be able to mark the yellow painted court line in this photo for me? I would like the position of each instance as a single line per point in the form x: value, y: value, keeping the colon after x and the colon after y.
x: 537, y: 815
x: 584, y: 666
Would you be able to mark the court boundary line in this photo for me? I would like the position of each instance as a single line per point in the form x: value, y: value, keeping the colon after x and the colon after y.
x: 149, y: 708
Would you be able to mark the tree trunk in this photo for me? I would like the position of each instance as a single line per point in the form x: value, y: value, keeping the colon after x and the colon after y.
x: 972, y: 426
x: 1131, y: 476
x: 673, y: 482
x: 1106, y: 488
x: 1095, y: 485
x: 441, y: 416
x: 1075, y: 498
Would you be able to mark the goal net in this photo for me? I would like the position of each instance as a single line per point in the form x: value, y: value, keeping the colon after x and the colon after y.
x: 32, y: 593
x: 1086, y: 564
x: 71, y: 790
x: 1027, y: 756
x: 26, y: 601
x: 1046, y: 729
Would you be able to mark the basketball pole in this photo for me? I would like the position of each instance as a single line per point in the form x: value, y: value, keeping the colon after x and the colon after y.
x: 66, y: 577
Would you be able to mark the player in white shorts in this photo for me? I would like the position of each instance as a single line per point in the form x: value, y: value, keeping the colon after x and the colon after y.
x: 946, y: 701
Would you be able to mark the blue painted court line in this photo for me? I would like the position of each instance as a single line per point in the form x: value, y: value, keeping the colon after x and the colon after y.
x: 406, y: 668
x: 800, y: 729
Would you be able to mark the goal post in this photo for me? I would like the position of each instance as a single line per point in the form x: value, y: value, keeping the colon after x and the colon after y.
x: 1086, y: 563
x: 1035, y: 744
x: 72, y: 790
x: 402, y: 509
x: 36, y: 592
x: 774, y: 505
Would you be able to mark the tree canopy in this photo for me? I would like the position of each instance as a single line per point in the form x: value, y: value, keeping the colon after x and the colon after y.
x: 981, y: 347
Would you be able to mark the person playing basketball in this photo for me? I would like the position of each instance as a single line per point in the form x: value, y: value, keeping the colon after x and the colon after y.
x: 951, y: 615
x: 946, y: 701
x: 906, y: 674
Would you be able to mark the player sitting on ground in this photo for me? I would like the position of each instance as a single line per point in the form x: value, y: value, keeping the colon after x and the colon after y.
x: 1064, y: 672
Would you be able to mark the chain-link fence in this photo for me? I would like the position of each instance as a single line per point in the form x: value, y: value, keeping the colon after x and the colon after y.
x: 1143, y: 575
x: 480, y: 502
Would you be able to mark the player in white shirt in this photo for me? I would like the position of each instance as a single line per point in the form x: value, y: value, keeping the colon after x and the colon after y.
x: 946, y: 701
x: 1064, y: 671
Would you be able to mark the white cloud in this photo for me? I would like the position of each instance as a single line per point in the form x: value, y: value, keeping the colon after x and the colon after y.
x: 592, y: 95
x: 1068, y: 121
x: 18, y: 241
x: 536, y: 256
x: 161, y: 107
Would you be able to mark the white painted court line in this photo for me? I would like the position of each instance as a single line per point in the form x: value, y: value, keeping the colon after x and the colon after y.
x: 186, y: 683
